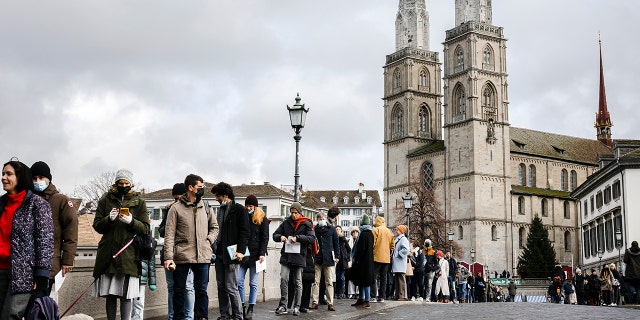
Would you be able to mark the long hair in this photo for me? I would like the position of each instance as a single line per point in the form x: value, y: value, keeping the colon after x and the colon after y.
x: 258, y: 216
x: 23, y: 175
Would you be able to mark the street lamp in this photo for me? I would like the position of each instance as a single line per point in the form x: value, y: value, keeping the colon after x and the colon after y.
x: 297, y: 115
x: 619, y: 245
x: 473, y: 262
x: 450, y: 234
x: 408, y: 203
x: 600, y: 254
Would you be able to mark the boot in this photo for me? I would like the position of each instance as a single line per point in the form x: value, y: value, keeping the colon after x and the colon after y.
x: 462, y: 300
x: 358, y: 303
x: 364, y: 305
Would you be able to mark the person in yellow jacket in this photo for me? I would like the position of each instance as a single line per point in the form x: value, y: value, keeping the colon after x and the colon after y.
x: 382, y: 248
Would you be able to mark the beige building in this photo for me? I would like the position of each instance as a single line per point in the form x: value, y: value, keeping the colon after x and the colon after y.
x: 454, y: 137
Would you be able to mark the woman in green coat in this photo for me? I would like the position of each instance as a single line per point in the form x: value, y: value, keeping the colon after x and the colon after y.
x: 120, y: 215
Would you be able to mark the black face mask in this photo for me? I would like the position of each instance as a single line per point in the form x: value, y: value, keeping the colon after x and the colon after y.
x: 123, y: 190
x: 200, y: 192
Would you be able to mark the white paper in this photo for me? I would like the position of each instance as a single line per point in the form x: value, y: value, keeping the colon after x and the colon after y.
x: 261, y: 266
x: 59, y: 280
x: 292, y: 247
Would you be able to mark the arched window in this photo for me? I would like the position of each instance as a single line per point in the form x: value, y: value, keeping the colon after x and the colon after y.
x: 567, y: 209
x: 520, y: 205
x: 423, y: 80
x: 532, y: 176
x: 564, y: 180
x: 487, y: 58
x: 573, y: 180
x: 424, y: 122
x: 460, y: 233
x: 397, y: 80
x: 459, y: 63
x: 427, y: 175
x: 396, y: 122
x: 567, y: 241
x: 459, y: 103
x: 544, y: 207
x: 494, y: 233
x: 489, y: 102
x: 522, y: 174
x: 521, y: 237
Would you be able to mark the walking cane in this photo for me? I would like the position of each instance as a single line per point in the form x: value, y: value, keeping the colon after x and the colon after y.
x: 126, y: 245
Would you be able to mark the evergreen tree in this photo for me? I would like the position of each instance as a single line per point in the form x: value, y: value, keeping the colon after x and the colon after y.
x: 538, y: 257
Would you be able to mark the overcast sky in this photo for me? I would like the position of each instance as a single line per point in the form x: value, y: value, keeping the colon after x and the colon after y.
x: 167, y: 88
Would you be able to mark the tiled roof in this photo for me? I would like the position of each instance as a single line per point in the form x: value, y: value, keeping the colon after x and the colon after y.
x: 329, y: 194
x: 431, y: 146
x: 86, y: 235
x: 635, y: 154
x: 516, y: 189
x: 259, y: 190
x: 556, y: 146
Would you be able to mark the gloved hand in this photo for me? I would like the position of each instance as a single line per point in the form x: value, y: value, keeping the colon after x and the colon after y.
x: 42, y: 284
x: 152, y: 287
x: 126, y: 218
x: 113, y: 214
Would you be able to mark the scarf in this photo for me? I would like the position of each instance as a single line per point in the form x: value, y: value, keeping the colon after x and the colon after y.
x: 297, y: 223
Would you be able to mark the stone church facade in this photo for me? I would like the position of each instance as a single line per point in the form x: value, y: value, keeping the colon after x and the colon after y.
x: 446, y: 126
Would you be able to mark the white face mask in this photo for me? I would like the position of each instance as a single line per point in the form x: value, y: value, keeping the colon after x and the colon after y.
x: 40, y: 186
x: 252, y: 210
x: 322, y: 223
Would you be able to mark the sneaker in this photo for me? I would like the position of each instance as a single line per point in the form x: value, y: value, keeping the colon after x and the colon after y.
x: 296, y: 312
x: 380, y: 300
x: 428, y: 300
x: 413, y: 298
x: 420, y: 299
x: 281, y: 310
x: 304, y: 310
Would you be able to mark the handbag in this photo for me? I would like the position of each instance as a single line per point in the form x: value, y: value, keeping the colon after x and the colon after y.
x: 409, y: 268
x: 615, y: 282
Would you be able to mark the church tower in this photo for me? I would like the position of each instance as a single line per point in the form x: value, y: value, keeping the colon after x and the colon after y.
x: 476, y: 134
x: 412, y: 98
x: 603, y: 120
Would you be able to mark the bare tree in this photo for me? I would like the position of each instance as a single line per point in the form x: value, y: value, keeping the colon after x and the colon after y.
x: 91, y: 192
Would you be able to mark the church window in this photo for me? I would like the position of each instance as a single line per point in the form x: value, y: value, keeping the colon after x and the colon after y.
x: 544, y: 207
x: 489, y: 106
x: 424, y: 122
x: 427, y: 175
x: 487, y: 58
x: 567, y: 241
x: 397, y: 79
x: 459, y: 103
x: 566, y: 209
x: 460, y: 233
x: 459, y: 56
x: 520, y: 205
x: 396, y: 123
x: 532, y: 176
x: 573, y: 179
x: 564, y: 180
x: 423, y: 80
x: 521, y: 236
x: 494, y: 233
x: 522, y: 174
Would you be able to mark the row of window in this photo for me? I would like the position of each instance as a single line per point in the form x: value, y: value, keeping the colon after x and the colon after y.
x: 424, y: 121
x: 423, y: 79
x: 487, y: 58
x: 600, y: 236
x: 522, y: 234
x: 527, y: 177
x: 602, y: 197
x: 488, y: 102
x: 544, y: 207
x: 345, y: 199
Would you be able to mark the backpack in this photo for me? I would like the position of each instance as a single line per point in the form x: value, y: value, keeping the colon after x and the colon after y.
x: 43, y: 308
x: 145, y: 246
x: 430, y: 263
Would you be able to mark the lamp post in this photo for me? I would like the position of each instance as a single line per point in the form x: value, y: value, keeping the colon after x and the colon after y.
x: 450, y: 234
x: 297, y: 115
x: 619, y: 245
x: 408, y: 203
x: 600, y: 254
x: 473, y: 287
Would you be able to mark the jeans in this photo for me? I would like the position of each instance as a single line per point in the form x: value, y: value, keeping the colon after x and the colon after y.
x: 253, y: 282
x: 462, y: 290
x: 200, y: 283
x: 428, y: 281
x: 633, y: 288
x: 365, y: 293
x: 452, y: 288
x: 417, y: 284
x: 189, y: 295
x: 285, y: 270
x: 339, y: 282
x: 228, y: 296
x: 380, y: 270
x: 329, y: 272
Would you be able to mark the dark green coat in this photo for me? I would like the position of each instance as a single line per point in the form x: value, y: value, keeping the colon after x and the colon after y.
x: 115, y: 234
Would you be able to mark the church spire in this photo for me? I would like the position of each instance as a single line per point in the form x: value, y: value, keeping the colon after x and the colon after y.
x: 603, y: 120
x: 412, y: 25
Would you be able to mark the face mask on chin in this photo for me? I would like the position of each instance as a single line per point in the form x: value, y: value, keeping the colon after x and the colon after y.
x: 252, y: 210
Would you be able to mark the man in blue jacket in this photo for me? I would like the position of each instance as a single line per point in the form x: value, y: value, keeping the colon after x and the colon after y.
x: 326, y: 258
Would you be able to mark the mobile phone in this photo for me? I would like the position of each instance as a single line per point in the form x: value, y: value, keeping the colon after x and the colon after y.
x: 124, y: 211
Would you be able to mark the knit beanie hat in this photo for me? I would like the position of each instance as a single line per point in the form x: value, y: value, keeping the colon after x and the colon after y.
x: 124, y: 174
x: 439, y: 254
x: 402, y: 228
x: 366, y: 221
x: 297, y: 206
x: 427, y: 243
x: 178, y: 189
x: 41, y: 169
x: 251, y: 201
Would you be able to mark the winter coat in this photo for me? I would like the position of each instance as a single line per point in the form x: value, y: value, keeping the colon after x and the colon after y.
x: 304, y: 235
x: 31, y: 242
x: 184, y: 220
x: 567, y: 287
x: 453, y: 267
x: 464, y: 274
x: 480, y: 284
x: 400, y: 253
x: 234, y: 230
x: 148, y: 272
x: 115, y: 234
x: 430, y: 260
x: 362, y: 265
x: 420, y: 261
x: 345, y: 253
x: 442, y: 282
x: 328, y: 245
x: 593, y: 283
x: 382, y: 241
x: 309, y: 271
x: 579, y: 280
x: 65, y: 228
x: 258, y: 238
x: 632, y: 261
x: 512, y: 287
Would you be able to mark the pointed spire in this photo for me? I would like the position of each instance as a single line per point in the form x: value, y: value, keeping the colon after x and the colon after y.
x: 603, y: 120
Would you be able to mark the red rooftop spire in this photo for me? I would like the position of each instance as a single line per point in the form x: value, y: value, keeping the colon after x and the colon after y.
x: 603, y: 120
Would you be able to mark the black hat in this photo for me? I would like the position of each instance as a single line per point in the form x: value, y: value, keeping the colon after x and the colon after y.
x: 178, y: 189
x: 41, y: 169
x: 251, y: 200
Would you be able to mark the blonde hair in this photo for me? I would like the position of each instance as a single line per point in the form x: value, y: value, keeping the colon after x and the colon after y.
x: 258, y: 216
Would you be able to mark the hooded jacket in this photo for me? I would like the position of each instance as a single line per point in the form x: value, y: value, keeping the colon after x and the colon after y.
x: 382, y: 241
x: 65, y: 228
x: 632, y: 260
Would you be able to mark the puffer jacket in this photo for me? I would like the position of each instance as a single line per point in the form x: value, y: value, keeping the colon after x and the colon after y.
x: 148, y: 272
x: 115, y: 234
x: 632, y: 260
x: 31, y: 242
x: 184, y: 220
x: 382, y: 241
x: 65, y: 228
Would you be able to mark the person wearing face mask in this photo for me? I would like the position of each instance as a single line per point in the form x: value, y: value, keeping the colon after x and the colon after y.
x: 189, y: 233
x: 65, y: 222
x: 326, y: 259
x: 258, y: 239
x: 234, y: 231
x: 121, y: 214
